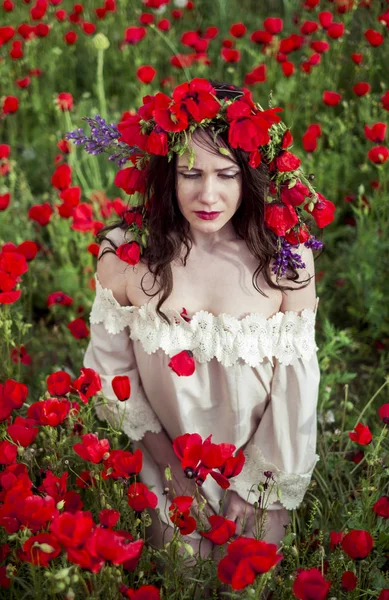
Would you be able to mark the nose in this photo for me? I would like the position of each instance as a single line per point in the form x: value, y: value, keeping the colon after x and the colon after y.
x: 208, y: 194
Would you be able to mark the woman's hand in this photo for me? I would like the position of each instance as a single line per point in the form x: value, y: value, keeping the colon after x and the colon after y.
x: 238, y: 510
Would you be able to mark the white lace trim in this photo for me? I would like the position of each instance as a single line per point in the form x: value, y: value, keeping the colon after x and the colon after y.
x: 292, y: 486
x: 135, y: 418
x: 286, y: 336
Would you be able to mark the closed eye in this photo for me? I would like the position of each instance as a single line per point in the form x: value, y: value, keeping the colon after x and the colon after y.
x: 196, y: 175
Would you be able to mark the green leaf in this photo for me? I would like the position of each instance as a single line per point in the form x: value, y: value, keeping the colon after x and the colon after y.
x: 192, y: 158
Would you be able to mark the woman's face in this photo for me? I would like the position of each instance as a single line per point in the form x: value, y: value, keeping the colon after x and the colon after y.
x: 214, y: 184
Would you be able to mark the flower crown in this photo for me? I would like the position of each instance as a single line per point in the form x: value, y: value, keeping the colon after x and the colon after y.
x: 164, y: 125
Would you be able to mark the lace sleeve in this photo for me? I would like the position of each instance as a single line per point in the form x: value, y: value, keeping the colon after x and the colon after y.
x: 285, y: 439
x: 110, y: 353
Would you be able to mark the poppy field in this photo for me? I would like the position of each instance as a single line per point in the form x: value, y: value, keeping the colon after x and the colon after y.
x: 73, y: 514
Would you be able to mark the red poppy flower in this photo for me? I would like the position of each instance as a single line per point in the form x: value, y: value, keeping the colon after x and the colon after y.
x: 70, y: 37
x: 171, y: 117
x: 280, y: 218
x: 233, y: 465
x: 261, y: 37
x: 288, y: 68
x: 146, y: 592
x: 335, y: 30
x: 116, y: 546
x: 381, y: 507
x: 23, y: 431
x: 29, y: 249
x: 309, y: 27
x: 88, y: 384
x: 121, y: 385
x: 376, y: 133
x: 41, y: 213
x: 12, y: 396
x: 246, y: 131
x: 5, y: 200
x: 197, y: 98
x: 361, y: 88
x: 6, y: 34
x: 298, y: 237
x: 58, y: 383
x: 40, y: 549
x: 331, y: 98
x: 286, y: 161
x: 383, y: 413
x: 257, y: 75
x: 109, y: 517
x: 238, y: 30
x: 311, y: 583
x: 182, y: 518
x: 336, y: 538
x: 384, y: 594
x: 10, y: 105
x: 361, y: 434
x: 357, y: 58
x: 59, y: 298
x: 130, y: 128
x: 78, y: 328
x: 325, y: 18
x: 122, y: 464
x: 8, y: 453
x: 62, y: 177
x: 378, y: 154
x: 199, y: 458
x: 230, y: 55
x: 140, y: 497
x: 385, y: 100
x: 129, y: 253
x: 309, y: 142
x: 323, y: 211
x: 183, y: 363
x: 375, y: 38
x: 92, y: 449
x: 294, y: 195
x: 349, y: 581
x: 246, y: 558
x: 222, y: 530
x: 319, y: 46
x: 164, y: 25
x: 19, y: 354
x: 157, y: 142
x: 64, y: 101
x: 133, y: 35
x: 54, y: 486
x: 146, y: 73
x: 273, y: 25
x: 130, y: 180
x: 72, y: 529
x: 49, y: 412
x: 358, y: 543
x: 88, y: 28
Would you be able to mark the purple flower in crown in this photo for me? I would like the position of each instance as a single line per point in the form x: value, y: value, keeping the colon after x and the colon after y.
x: 103, y: 138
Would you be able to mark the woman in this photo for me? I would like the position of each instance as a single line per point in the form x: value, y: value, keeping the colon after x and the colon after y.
x: 208, y: 282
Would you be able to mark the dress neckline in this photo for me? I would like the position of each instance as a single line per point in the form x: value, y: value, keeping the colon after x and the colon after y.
x: 176, y: 314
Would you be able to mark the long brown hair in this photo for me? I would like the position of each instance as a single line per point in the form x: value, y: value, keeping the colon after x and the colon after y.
x: 169, y: 230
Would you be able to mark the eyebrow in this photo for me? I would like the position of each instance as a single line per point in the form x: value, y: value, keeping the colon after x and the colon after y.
x: 186, y: 168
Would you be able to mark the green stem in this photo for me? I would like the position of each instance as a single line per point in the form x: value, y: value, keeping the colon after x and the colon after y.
x: 73, y: 162
x: 173, y: 49
x: 100, y: 83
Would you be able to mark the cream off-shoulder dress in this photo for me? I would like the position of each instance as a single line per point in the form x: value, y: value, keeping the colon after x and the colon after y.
x: 255, y: 386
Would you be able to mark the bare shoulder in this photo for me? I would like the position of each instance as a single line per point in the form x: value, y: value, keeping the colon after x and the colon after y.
x: 303, y: 293
x: 112, y: 272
